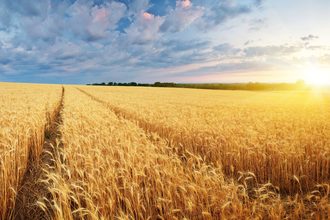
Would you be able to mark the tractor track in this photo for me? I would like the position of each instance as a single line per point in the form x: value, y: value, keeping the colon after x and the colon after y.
x: 150, y: 129
x: 196, y: 149
x: 33, y: 189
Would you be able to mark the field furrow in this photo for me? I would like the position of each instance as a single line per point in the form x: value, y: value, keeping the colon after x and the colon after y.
x: 116, y: 171
x: 150, y: 153
x: 297, y: 167
x: 33, y: 200
x: 23, y: 118
x: 151, y: 131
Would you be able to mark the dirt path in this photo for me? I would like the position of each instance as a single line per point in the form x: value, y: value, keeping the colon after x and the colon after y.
x: 32, y: 188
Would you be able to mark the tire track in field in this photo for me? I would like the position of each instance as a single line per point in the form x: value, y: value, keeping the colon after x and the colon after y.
x: 161, y: 131
x: 196, y: 151
x: 187, y: 159
x: 33, y: 188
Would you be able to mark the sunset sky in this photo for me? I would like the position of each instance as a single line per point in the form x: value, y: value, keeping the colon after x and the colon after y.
x: 68, y: 41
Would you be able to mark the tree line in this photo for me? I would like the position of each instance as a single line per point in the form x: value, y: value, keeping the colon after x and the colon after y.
x: 216, y: 86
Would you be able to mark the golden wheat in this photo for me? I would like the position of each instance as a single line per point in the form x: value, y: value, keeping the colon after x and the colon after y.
x: 278, y: 136
x: 123, y: 172
x: 118, y: 166
x: 23, y: 118
x: 151, y: 153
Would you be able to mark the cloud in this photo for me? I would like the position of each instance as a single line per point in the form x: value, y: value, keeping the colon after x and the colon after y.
x: 181, y: 45
x: 309, y: 37
x: 136, y: 7
x: 145, y: 29
x: 278, y: 50
x: 218, y: 12
x: 92, y: 22
x: 226, y: 49
x: 257, y: 24
x: 25, y: 8
x: 181, y: 17
x: 51, y: 20
x: 86, y: 41
x: 185, y: 4
x: 178, y: 52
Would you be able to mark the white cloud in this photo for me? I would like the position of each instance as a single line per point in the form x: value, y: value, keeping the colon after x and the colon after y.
x: 145, y: 29
x: 182, y: 16
x: 92, y: 23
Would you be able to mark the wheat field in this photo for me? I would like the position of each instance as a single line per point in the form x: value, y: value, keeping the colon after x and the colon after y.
x: 163, y: 153
x: 25, y: 110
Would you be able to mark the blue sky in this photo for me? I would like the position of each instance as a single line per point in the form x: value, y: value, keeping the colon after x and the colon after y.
x: 81, y: 41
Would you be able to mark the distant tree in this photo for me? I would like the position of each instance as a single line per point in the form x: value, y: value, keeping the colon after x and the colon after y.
x: 132, y: 84
x: 144, y: 84
x: 253, y: 86
x: 164, y: 84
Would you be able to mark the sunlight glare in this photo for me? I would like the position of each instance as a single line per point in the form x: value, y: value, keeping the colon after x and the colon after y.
x: 317, y: 76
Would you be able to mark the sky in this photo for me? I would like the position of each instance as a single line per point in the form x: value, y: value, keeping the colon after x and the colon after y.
x: 191, y: 41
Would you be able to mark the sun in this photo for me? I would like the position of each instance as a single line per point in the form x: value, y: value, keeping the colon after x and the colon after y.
x: 317, y: 76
